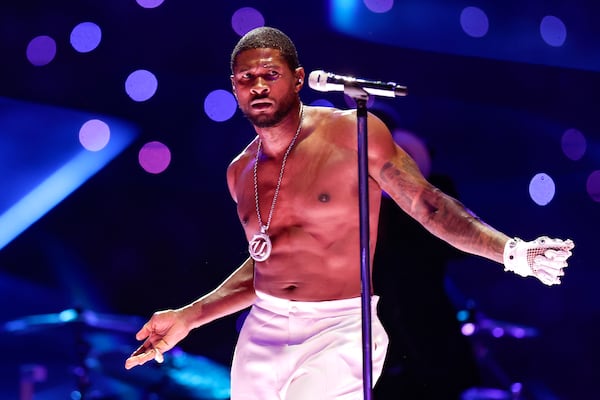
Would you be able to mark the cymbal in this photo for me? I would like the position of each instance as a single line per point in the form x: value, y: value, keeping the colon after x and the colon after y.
x: 74, y: 317
x: 181, y: 375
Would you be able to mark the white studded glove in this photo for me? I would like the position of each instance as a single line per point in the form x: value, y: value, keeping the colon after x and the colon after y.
x: 543, y: 258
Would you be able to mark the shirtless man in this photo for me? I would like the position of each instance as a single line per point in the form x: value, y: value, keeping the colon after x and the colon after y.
x: 296, y: 189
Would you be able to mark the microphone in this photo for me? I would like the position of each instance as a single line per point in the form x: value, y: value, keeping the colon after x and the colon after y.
x: 328, y: 82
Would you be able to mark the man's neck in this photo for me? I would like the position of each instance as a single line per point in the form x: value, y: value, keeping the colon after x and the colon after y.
x: 276, y: 139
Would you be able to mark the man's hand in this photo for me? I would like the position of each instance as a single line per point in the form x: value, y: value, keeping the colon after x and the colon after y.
x: 161, y: 333
x: 544, y: 258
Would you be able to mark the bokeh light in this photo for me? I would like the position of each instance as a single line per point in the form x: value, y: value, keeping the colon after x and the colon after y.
x: 220, y: 105
x: 85, y: 37
x: 415, y: 147
x: 154, y: 157
x: 94, y: 135
x: 474, y: 22
x: 542, y: 189
x: 245, y: 19
x: 149, y: 3
x: 379, y: 6
x: 41, y: 50
x: 574, y: 144
x: 553, y: 31
x: 497, y: 332
x: 468, y: 329
x: 141, y: 85
x: 593, y: 185
x: 321, y: 103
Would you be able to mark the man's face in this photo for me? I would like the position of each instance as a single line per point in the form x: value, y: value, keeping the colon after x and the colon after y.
x: 265, y: 87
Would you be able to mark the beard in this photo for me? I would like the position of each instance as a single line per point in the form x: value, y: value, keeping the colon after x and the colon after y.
x: 267, y: 121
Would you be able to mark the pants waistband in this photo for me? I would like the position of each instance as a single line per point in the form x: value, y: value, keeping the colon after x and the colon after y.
x: 311, y: 309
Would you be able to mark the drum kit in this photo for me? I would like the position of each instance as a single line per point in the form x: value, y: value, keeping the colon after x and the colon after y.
x: 91, y: 364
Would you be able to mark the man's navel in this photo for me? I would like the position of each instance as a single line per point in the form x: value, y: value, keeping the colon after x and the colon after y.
x: 324, y: 198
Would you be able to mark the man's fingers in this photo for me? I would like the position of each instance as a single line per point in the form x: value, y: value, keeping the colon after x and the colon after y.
x: 144, y: 332
x: 147, y: 352
x: 158, y: 356
x: 139, y: 357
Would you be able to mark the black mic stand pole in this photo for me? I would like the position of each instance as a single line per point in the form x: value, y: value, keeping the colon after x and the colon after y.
x: 361, y: 97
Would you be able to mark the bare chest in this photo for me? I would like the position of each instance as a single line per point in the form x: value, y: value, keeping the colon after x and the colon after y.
x: 315, y: 187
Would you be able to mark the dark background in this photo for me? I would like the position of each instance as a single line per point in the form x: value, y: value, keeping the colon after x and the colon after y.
x: 127, y: 243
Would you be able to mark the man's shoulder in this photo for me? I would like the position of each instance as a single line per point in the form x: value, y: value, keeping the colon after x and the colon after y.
x: 244, y: 156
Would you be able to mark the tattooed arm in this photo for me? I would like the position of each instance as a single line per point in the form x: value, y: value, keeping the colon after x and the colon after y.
x: 440, y: 214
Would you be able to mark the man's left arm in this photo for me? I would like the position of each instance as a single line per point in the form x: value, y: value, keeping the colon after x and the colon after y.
x: 448, y: 219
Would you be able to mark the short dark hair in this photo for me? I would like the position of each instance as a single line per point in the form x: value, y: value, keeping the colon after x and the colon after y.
x: 267, y: 38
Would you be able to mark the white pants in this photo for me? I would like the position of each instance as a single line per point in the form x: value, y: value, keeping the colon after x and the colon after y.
x: 290, y: 350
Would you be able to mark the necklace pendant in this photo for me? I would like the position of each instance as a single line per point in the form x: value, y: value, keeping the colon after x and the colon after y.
x: 260, y: 246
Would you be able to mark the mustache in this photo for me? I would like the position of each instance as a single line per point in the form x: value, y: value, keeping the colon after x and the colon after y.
x: 260, y: 97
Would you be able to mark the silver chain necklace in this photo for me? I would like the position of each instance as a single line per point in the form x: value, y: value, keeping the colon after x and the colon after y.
x: 260, y: 245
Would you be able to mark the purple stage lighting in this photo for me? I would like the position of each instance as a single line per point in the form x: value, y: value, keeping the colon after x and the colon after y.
x: 474, y: 22
x: 573, y: 144
x: 593, y: 185
x: 542, y: 189
x: 94, y: 135
x: 245, y: 19
x: 141, y: 85
x: 220, y: 105
x: 41, y: 50
x: 149, y: 3
x: 379, y: 6
x: 154, y: 157
x: 553, y: 31
x: 85, y: 37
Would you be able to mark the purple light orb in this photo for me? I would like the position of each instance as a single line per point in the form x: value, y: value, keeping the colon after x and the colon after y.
x: 85, y: 37
x: 379, y: 6
x: 542, y: 189
x: 245, y: 19
x: 593, y: 185
x: 94, y: 135
x: 220, y: 105
x: 154, y: 157
x: 573, y: 144
x: 149, y: 3
x: 41, y: 50
x: 474, y: 22
x: 553, y: 31
x: 141, y: 85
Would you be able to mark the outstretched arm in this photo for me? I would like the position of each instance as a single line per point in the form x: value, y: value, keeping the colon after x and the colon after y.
x: 167, y: 328
x: 450, y: 220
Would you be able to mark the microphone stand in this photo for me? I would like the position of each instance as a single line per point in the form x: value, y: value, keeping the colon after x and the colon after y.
x: 361, y: 97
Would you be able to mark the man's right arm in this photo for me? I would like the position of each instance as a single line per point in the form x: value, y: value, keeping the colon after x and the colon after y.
x: 167, y: 328
x: 234, y: 294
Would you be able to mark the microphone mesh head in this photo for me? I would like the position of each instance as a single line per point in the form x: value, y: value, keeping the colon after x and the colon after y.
x: 317, y: 80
